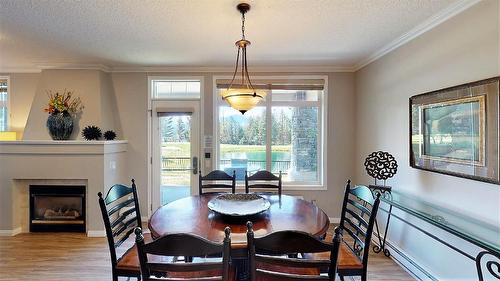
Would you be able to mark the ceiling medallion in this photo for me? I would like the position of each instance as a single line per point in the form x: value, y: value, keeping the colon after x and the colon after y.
x: 242, y: 96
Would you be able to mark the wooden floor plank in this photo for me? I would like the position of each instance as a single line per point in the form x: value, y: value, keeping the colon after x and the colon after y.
x: 72, y: 256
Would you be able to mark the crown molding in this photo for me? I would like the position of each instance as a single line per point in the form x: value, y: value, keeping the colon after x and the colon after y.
x: 63, y: 65
x: 230, y: 69
x: 420, y: 29
x: 31, y: 69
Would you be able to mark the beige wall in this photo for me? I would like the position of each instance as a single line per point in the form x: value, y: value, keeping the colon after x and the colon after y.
x: 463, y: 49
x: 22, y: 87
x: 132, y: 96
x: 93, y: 87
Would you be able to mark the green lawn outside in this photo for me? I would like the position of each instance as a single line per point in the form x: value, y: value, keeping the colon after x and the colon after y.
x: 181, y: 149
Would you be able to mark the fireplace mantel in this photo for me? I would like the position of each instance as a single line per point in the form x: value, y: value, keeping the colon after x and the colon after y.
x: 62, y: 147
x: 99, y: 164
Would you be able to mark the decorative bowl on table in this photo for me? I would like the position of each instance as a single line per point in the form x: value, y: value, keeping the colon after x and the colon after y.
x: 239, y: 204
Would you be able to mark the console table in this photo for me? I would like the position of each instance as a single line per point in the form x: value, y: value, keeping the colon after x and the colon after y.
x: 473, y: 231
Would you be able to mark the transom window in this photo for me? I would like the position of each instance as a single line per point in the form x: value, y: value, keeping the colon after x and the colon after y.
x: 4, y: 102
x: 284, y: 133
x: 175, y: 89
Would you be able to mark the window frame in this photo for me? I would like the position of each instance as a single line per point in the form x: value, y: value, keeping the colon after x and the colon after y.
x: 8, y: 106
x: 322, y: 104
x: 152, y: 79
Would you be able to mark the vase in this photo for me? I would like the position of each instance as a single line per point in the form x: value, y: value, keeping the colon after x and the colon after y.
x: 60, y: 125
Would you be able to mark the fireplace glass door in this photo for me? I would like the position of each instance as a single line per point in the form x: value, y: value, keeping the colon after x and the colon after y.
x: 57, y: 208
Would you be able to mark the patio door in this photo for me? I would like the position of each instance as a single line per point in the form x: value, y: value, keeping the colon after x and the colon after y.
x: 175, y: 148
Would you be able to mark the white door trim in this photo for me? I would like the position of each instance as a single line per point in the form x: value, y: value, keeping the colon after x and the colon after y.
x: 158, y: 106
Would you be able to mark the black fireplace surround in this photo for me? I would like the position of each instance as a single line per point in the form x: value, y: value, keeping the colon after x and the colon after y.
x: 56, y: 208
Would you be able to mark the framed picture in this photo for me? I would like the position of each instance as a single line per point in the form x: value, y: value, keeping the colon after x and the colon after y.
x: 455, y: 131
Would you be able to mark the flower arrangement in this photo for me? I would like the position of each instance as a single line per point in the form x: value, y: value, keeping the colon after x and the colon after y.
x: 64, y: 102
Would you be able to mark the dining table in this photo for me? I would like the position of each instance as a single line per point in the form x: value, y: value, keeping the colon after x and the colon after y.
x: 192, y: 215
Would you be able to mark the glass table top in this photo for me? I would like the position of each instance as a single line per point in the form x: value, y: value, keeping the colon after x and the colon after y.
x: 475, y: 231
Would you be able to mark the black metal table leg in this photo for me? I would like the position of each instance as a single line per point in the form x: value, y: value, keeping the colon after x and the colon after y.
x: 381, y: 246
x: 493, y: 266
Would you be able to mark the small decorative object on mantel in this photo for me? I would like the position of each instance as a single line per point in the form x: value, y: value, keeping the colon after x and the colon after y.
x: 454, y: 131
x: 91, y: 133
x: 381, y: 165
x: 62, y: 108
x: 109, y: 135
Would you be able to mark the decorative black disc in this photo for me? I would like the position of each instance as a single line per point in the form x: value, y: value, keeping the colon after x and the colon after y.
x: 381, y: 165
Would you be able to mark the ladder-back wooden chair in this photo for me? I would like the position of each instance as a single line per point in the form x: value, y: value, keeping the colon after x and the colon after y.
x: 269, y: 261
x: 121, y: 214
x: 263, y: 180
x: 359, y: 211
x: 184, y: 244
x: 217, y: 181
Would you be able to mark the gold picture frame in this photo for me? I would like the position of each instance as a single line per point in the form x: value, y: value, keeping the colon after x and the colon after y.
x: 455, y: 131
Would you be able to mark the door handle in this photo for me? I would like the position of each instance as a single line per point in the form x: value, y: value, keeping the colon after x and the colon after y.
x: 195, y: 165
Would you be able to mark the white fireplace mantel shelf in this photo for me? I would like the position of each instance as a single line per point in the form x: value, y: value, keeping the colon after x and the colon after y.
x: 62, y: 147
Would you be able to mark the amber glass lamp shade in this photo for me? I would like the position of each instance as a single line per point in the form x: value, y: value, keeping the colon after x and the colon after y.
x: 243, y: 99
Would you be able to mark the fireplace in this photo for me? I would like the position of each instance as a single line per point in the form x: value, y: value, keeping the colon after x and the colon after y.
x: 57, y: 208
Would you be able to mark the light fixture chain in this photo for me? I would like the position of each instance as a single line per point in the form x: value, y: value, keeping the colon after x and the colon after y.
x: 243, y: 26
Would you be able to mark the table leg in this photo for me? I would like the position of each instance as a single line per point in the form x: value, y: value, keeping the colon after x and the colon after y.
x: 381, y: 246
x: 241, y: 265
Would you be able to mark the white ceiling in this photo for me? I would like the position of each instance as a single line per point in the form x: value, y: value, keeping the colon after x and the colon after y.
x: 119, y: 33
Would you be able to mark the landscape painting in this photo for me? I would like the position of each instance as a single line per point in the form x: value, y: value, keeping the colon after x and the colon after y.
x: 455, y: 131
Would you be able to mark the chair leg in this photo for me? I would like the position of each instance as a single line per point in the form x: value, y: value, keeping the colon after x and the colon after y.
x: 341, y: 277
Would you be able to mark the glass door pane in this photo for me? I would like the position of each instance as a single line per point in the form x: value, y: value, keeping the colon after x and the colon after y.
x: 176, y: 156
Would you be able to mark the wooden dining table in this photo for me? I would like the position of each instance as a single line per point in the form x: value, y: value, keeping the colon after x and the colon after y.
x: 192, y: 215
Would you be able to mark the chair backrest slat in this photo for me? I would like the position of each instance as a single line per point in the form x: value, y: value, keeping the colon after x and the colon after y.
x: 119, y: 206
x: 120, y: 214
x: 359, y: 211
x: 295, y: 262
x: 265, y: 250
x: 263, y: 180
x: 360, y: 207
x: 124, y: 237
x: 131, y: 224
x: 183, y: 267
x: 355, y: 237
x: 356, y: 227
x: 278, y: 276
x: 183, y: 244
x: 217, y: 180
x: 122, y: 217
x: 357, y: 217
x: 118, y: 191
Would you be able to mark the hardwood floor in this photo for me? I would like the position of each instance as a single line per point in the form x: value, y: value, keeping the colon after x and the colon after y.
x: 49, y: 256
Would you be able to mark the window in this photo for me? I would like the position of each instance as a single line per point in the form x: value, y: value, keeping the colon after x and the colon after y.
x: 4, y: 102
x: 284, y: 133
x: 175, y: 89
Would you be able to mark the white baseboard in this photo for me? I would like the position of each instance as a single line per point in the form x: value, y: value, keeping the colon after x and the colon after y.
x: 405, y: 261
x: 11, y: 232
x: 96, y: 233
x: 334, y: 220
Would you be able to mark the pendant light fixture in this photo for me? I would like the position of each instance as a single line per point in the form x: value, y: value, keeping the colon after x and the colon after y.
x: 242, y: 96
